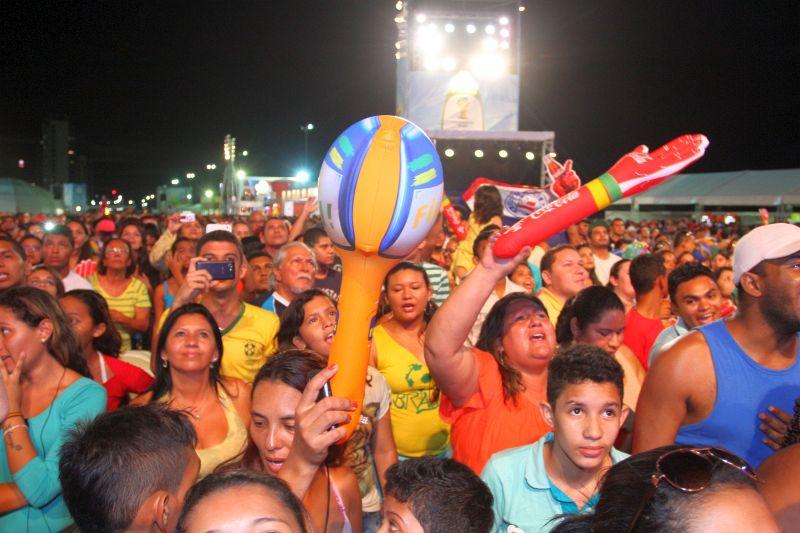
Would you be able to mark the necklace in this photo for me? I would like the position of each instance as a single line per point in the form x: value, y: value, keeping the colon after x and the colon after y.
x: 193, y: 410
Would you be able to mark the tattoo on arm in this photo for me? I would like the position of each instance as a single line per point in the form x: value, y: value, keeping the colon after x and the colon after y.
x: 10, y: 442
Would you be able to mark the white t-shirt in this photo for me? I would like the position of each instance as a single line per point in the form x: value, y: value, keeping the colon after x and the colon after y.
x: 602, y: 267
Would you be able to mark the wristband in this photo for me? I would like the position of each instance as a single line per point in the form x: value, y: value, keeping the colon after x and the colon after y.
x: 12, y: 428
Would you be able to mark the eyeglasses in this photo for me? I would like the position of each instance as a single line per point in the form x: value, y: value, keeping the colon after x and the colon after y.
x: 689, y: 470
x: 118, y: 251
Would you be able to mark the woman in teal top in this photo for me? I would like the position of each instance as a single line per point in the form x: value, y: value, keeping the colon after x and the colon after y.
x: 48, y: 394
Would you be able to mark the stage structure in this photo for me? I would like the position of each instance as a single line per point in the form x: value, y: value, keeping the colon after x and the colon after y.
x: 458, y: 79
x: 515, y: 157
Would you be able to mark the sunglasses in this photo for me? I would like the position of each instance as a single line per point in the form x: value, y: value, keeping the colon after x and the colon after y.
x: 689, y: 470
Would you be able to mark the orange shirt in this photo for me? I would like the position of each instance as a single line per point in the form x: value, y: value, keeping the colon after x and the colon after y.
x: 487, y: 424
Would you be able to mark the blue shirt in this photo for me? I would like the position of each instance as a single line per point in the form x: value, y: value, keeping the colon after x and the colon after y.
x: 744, y: 390
x: 38, y: 479
x: 524, y: 495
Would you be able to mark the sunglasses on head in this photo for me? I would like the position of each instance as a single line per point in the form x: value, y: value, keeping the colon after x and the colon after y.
x: 690, y: 470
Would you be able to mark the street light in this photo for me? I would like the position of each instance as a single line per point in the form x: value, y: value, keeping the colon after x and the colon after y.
x: 305, y: 129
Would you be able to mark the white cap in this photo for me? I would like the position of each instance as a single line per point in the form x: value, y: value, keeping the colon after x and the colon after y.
x: 772, y: 241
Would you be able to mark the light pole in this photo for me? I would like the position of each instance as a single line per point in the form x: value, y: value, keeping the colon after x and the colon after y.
x: 305, y: 129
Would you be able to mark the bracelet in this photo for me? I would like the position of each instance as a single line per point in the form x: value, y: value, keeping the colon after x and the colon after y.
x: 14, y: 413
x: 12, y: 428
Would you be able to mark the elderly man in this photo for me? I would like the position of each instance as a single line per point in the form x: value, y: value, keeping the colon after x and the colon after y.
x: 292, y: 273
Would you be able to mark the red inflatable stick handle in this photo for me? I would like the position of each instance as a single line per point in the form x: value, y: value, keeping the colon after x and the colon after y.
x: 451, y: 216
x: 635, y: 172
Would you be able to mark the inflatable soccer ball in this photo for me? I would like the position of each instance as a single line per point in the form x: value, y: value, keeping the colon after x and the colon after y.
x: 380, y: 187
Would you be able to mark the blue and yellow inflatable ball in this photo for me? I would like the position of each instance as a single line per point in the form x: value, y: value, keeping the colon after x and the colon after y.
x: 380, y: 187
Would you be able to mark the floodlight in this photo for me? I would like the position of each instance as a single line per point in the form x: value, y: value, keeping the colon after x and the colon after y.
x: 449, y: 152
x: 503, y: 153
x: 471, y: 28
x: 530, y: 156
x: 490, y: 29
x: 449, y: 27
x: 478, y: 153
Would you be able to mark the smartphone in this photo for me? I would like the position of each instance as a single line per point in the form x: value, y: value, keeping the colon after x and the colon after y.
x: 217, y: 269
x: 325, y: 392
x: 187, y: 216
x: 217, y: 227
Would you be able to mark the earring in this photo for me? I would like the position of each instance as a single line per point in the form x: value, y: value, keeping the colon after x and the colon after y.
x: 164, y: 363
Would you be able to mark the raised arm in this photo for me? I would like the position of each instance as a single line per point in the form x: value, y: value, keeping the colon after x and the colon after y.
x: 452, y: 365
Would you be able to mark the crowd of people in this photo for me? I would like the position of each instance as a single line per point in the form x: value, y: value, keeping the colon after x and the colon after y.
x: 622, y: 376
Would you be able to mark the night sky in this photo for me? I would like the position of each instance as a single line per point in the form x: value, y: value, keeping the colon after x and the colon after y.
x: 151, y: 88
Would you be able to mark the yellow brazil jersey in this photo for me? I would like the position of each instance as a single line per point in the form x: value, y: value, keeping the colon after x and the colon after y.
x: 247, y: 342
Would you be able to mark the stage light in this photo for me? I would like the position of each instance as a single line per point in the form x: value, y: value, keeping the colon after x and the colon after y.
x: 449, y: 152
x: 190, y: 176
x: 49, y: 225
x: 399, y: 5
x: 189, y: 196
x: 241, y: 174
x: 130, y: 202
x: 421, y: 17
x: 245, y: 153
x: 505, y: 33
x: 78, y: 208
x: 552, y: 155
x: 449, y: 27
x: 490, y: 29
x: 478, y: 153
x: 521, y: 9
x: 429, y: 40
x: 94, y: 203
x: 302, y: 176
x: 504, y: 21
x: 175, y: 181
x: 209, y: 193
x: 449, y: 63
x: 397, y: 45
x: 470, y: 28
x: 530, y: 156
x: 490, y: 44
x: 503, y: 154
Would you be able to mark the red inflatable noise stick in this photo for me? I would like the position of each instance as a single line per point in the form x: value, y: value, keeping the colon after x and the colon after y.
x: 451, y: 216
x: 635, y: 172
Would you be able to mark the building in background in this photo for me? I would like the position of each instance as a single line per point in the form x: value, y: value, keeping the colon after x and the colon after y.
x: 55, y: 148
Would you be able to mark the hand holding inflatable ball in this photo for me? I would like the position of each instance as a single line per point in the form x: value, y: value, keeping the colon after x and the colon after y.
x: 380, y: 191
x: 635, y: 172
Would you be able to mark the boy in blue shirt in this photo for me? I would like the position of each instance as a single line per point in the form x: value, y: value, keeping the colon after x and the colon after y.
x: 559, y: 474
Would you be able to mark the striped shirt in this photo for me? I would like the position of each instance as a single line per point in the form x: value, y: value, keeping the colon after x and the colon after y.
x: 440, y: 283
x: 135, y: 295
